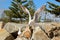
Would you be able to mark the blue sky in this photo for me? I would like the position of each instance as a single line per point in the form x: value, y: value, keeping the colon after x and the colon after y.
x: 4, y: 4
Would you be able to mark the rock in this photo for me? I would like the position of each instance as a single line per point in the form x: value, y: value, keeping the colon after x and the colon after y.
x: 56, y: 38
x: 1, y: 24
x: 38, y: 34
x: 57, y: 24
x: 13, y: 27
x: 55, y: 32
x: 25, y: 35
x: 52, y: 29
x: 14, y: 34
x: 4, y: 35
x: 18, y: 38
x: 27, y: 32
x: 47, y: 27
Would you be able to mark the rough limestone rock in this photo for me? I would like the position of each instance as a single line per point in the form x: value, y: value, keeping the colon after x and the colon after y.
x: 38, y: 34
x: 52, y: 29
x: 1, y: 24
x: 18, y: 39
x: 56, y: 38
x: 4, y: 35
x: 46, y: 26
x: 13, y: 27
x: 56, y: 24
x: 21, y: 38
x: 54, y: 32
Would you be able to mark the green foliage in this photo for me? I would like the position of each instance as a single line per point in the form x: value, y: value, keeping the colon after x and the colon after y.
x: 58, y: 0
x: 17, y: 12
x: 54, y: 9
x: 53, y: 5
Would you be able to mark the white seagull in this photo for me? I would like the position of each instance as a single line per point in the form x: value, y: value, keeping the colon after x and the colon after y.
x: 36, y: 14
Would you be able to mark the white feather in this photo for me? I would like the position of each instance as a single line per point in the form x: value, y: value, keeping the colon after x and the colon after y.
x: 36, y: 14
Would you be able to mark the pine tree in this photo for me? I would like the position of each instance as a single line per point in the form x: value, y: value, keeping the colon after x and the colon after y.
x: 16, y: 12
x: 58, y: 0
x: 53, y: 8
x: 9, y: 14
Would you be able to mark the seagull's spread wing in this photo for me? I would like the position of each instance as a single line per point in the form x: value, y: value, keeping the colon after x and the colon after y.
x: 24, y: 9
x: 37, y: 13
